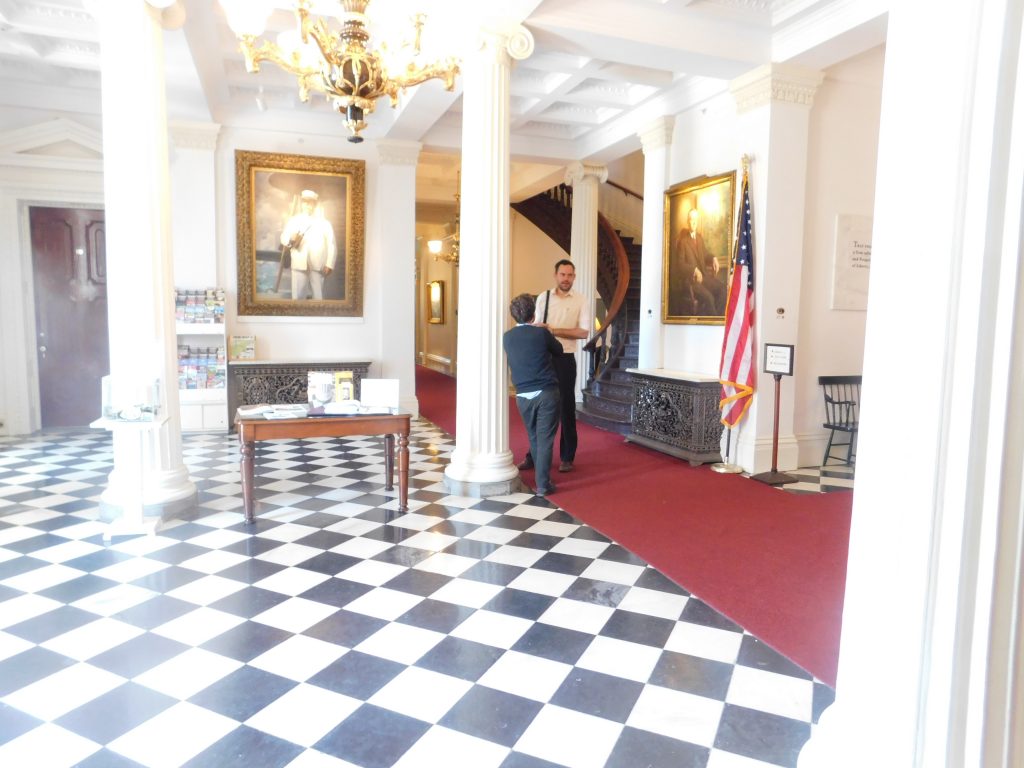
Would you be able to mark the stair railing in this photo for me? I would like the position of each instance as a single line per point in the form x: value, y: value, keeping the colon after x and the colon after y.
x: 613, y: 275
x: 610, y: 249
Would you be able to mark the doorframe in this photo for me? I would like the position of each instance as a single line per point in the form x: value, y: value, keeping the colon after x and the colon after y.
x: 32, y: 175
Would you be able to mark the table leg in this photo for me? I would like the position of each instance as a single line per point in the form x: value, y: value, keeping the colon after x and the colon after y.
x: 403, y: 472
x: 389, y: 462
x: 248, y: 454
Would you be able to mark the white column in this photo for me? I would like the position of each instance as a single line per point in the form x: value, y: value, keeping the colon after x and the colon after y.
x: 149, y: 480
x: 931, y: 664
x: 481, y: 464
x: 396, y: 231
x: 774, y: 105
x: 584, y: 180
x: 656, y: 141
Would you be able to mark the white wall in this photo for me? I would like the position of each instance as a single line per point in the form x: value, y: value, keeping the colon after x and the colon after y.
x: 194, y: 217
x: 437, y: 342
x: 301, y: 339
x: 533, y: 258
x: 703, y: 144
x: 842, y: 151
x: 842, y: 156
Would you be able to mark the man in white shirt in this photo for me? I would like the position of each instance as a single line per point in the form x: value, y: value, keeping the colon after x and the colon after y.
x: 310, y: 238
x: 563, y: 311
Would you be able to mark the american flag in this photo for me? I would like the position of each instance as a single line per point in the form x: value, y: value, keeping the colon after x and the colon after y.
x: 736, y: 372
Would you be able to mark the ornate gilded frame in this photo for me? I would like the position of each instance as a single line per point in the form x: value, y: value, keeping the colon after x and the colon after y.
x: 435, y: 302
x: 267, y: 188
x: 684, y: 299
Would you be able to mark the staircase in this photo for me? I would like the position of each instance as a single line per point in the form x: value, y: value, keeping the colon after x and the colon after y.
x: 608, y: 395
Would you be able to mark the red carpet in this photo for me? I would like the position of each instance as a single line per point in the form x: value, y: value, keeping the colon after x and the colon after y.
x: 773, y: 562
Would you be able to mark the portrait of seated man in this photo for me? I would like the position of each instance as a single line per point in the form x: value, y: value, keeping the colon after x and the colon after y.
x: 697, y: 278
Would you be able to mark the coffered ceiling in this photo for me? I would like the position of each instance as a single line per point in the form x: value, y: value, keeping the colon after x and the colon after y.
x: 599, y: 68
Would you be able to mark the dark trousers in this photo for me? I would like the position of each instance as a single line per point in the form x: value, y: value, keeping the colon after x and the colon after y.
x: 540, y: 417
x: 565, y: 371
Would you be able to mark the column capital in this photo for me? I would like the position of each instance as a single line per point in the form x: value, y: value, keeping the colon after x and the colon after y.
x: 658, y: 134
x: 513, y: 40
x: 577, y: 172
x: 189, y: 135
x: 395, y: 152
x: 787, y: 83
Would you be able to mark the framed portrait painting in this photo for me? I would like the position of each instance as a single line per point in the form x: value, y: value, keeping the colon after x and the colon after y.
x: 300, y: 224
x: 435, y: 302
x: 698, y: 250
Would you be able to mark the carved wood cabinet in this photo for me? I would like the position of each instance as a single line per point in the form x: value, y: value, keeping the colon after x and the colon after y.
x: 252, y: 382
x: 677, y: 413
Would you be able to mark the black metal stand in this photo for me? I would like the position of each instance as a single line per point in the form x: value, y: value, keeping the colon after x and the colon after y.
x: 775, y: 477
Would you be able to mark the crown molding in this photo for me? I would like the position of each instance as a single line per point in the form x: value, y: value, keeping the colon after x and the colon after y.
x: 187, y: 135
x: 394, y: 152
x: 657, y: 135
x: 785, y: 83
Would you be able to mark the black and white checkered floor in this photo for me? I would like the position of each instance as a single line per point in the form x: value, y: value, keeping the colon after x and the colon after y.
x: 336, y: 631
x: 834, y: 477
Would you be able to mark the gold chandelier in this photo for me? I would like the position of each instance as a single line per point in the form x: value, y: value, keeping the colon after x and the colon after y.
x: 340, y: 63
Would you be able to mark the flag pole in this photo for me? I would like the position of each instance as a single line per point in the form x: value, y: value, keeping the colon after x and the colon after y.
x: 727, y: 467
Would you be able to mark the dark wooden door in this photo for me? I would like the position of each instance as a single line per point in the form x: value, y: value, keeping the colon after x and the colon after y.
x: 69, y: 261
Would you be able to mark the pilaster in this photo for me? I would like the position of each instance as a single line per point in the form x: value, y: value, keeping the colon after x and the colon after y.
x: 656, y: 141
x: 396, y: 196
x: 773, y: 104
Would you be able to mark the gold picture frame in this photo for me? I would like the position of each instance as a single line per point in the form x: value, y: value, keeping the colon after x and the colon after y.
x: 271, y: 195
x: 697, y: 253
x: 435, y: 302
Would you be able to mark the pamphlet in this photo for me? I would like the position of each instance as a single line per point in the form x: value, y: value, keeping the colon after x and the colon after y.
x: 246, y: 411
x: 242, y: 348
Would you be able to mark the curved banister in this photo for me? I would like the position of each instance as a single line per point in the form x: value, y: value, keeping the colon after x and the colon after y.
x: 621, y: 285
x: 627, y: 190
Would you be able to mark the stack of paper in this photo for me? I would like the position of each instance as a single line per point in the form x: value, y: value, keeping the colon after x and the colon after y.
x: 286, y: 411
x: 246, y: 411
x: 343, y: 408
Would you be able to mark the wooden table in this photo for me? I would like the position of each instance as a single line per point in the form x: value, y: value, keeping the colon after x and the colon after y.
x: 252, y: 430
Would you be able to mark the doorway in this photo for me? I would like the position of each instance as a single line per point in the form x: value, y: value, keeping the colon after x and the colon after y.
x: 69, y: 268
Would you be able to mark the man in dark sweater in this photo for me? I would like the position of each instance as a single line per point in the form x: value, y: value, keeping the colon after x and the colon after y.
x: 530, y: 349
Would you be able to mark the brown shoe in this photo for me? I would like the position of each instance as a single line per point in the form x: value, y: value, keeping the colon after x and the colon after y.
x: 565, y: 466
x: 526, y: 463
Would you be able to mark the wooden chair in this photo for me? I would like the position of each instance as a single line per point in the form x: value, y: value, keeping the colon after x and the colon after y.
x: 842, y: 414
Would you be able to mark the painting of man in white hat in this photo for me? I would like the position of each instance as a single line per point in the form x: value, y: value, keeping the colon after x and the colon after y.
x: 309, y: 238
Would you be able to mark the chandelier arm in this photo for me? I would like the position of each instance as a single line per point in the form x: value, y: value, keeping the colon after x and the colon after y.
x: 319, y: 32
x: 443, y: 70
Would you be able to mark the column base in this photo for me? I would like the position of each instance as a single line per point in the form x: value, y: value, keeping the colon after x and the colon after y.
x: 478, y: 490
x: 126, y: 520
